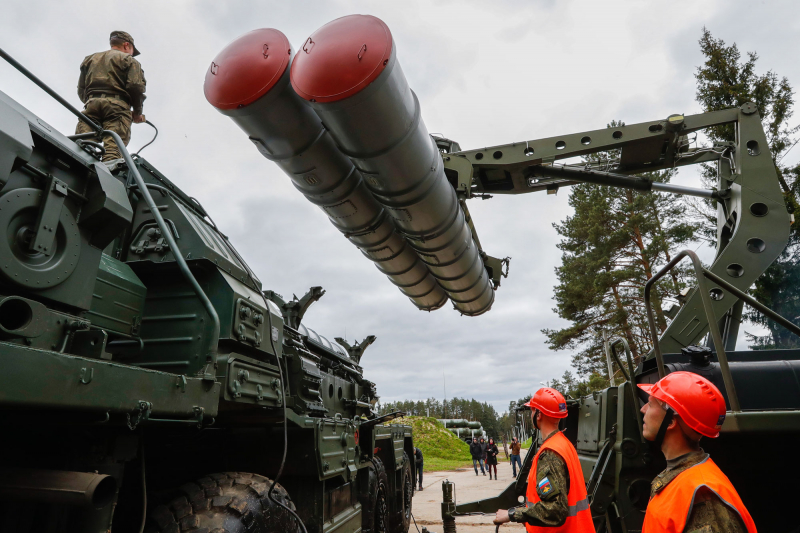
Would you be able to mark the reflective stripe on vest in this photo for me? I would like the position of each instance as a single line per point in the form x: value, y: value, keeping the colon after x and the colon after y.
x: 579, y: 519
x: 670, y: 509
x: 572, y: 510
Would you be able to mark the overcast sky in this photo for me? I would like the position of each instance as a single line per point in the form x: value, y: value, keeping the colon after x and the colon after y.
x: 486, y: 73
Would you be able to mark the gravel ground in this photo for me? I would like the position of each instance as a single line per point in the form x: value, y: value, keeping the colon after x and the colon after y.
x: 427, y: 504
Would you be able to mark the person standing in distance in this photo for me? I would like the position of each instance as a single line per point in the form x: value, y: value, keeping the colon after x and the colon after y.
x: 692, y: 494
x: 420, y: 462
x: 515, y: 456
x: 491, y: 458
x: 556, y: 499
x: 477, y: 456
x: 110, y: 84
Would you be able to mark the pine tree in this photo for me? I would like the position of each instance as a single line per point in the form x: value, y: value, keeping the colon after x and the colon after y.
x: 726, y: 80
x: 611, y: 246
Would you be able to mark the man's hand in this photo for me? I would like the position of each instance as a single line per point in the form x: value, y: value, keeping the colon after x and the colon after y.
x: 138, y: 119
x: 501, y: 517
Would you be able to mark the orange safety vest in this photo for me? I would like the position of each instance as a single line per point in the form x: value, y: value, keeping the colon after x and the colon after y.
x: 579, y: 518
x: 669, y: 510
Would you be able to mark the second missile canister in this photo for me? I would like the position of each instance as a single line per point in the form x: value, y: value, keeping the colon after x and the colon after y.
x: 249, y: 82
x: 349, y: 72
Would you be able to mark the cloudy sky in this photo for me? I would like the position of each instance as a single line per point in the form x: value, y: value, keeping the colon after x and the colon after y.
x: 486, y: 73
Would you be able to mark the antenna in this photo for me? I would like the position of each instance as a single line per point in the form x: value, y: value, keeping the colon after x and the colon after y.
x: 444, y: 384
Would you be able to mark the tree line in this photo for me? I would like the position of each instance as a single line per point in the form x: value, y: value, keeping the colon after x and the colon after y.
x: 471, y: 409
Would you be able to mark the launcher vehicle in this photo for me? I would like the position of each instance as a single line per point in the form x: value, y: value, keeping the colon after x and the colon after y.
x: 341, y: 120
x: 150, y: 383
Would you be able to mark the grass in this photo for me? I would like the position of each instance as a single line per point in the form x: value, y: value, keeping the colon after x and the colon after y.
x: 441, y: 449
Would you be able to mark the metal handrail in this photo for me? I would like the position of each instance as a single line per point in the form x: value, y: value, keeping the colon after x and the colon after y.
x: 701, y: 273
x: 630, y: 376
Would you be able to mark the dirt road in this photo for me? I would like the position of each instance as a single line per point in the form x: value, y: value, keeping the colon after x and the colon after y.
x: 427, y: 504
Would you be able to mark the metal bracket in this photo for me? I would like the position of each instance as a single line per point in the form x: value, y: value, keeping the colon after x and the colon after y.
x: 55, y: 193
x: 140, y: 414
x: 86, y: 375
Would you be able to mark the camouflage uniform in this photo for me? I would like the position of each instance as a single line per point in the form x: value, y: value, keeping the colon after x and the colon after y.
x: 553, y: 508
x: 709, y: 514
x: 110, y: 83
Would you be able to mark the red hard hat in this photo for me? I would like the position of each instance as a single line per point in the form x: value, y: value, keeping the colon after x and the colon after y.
x: 694, y: 398
x: 550, y: 402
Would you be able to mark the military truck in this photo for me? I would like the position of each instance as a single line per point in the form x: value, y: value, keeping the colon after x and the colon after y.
x: 346, y: 93
x: 760, y: 387
x: 149, y: 382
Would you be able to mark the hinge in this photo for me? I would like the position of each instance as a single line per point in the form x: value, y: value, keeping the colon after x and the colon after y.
x: 53, y: 196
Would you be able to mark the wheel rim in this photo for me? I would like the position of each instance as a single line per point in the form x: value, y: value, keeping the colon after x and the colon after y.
x: 381, y: 510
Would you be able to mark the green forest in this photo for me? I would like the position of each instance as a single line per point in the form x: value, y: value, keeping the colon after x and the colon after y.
x: 495, y: 424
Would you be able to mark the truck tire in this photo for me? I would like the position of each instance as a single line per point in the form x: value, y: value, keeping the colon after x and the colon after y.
x: 404, y: 494
x: 374, y: 499
x: 230, y: 502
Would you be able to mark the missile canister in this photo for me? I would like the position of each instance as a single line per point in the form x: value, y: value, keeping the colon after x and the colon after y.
x: 349, y: 72
x: 249, y: 82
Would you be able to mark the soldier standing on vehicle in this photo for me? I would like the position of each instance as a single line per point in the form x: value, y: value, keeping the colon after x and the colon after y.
x: 692, y: 494
x: 110, y: 84
x: 556, y: 496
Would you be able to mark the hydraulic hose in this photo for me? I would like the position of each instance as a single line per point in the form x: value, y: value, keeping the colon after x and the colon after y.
x: 213, y: 341
x: 151, y: 140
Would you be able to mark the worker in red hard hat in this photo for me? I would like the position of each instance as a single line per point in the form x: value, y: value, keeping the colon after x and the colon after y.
x: 692, y: 494
x: 556, y: 498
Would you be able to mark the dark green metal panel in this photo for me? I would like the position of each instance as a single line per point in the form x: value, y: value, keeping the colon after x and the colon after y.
x: 335, y: 442
x: 118, y: 298
x: 49, y: 380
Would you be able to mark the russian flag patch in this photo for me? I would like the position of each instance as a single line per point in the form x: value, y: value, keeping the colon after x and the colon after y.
x: 562, y: 407
x: 544, y: 486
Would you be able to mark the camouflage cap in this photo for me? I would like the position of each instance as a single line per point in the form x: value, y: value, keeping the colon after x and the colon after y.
x: 125, y: 36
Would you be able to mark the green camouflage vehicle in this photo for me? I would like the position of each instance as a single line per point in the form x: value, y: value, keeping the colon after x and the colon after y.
x: 149, y: 382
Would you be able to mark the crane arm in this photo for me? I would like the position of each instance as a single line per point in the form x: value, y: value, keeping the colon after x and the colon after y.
x: 752, y: 221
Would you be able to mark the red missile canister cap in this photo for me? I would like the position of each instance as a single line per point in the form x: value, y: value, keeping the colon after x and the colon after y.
x: 341, y: 58
x: 247, y: 69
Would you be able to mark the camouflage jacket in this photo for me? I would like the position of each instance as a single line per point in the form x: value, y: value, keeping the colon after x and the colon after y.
x: 709, y: 514
x: 550, y: 511
x: 114, y: 73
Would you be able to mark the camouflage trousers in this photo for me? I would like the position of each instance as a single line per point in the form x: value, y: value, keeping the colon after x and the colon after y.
x: 112, y: 114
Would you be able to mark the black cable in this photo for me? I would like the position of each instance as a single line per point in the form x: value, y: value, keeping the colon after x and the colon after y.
x: 144, y: 484
x: 285, y: 424
x: 151, y: 140
x: 415, y: 522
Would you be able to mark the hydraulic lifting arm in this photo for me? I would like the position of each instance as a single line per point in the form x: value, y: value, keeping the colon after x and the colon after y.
x: 752, y: 221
